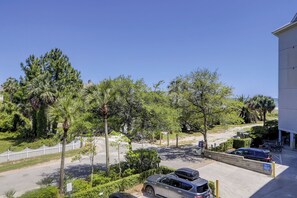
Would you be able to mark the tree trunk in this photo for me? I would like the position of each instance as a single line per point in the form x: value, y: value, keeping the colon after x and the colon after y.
x: 205, y: 130
x: 119, y: 159
x: 62, y: 173
x: 264, y: 118
x: 106, y: 145
x: 205, y: 140
x: 176, y: 140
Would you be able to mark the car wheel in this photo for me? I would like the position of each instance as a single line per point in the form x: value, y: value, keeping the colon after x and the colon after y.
x: 149, y: 190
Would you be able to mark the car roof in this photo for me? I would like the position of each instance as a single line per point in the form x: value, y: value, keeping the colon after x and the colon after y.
x: 255, y: 149
x: 197, y: 182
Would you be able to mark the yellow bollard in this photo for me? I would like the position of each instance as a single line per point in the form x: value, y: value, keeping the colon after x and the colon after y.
x: 217, y: 189
x: 273, y: 169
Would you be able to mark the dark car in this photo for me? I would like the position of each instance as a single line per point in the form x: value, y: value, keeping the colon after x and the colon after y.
x: 254, y: 154
x: 121, y: 195
x: 172, y: 186
x: 187, y: 173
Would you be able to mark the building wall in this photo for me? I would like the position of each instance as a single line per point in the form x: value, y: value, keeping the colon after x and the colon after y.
x: 288, y: 80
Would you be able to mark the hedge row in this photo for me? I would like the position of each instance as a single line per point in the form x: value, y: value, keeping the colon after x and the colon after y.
x: 233, y: 143
x: 120, y: 185
x: 45, y: 192
x: 238, y: 143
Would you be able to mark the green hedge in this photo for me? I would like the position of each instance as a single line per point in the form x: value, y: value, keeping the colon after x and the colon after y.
x: 223, y: 147
x: 239, y: 143
x: 120, y: 185
x: 233, y: 143
x: 46, y: 192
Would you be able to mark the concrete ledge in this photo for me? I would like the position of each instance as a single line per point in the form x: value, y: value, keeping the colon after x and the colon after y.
x: 240, y: 161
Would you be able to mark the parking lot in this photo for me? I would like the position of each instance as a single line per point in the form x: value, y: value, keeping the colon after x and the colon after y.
x: 238, y: 182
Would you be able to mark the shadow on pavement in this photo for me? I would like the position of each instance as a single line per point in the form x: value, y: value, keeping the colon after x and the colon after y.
x: 285, y: 184
x: 185, y: 153
x: 71, y: 172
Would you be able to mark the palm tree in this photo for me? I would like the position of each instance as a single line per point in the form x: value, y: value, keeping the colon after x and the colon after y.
x: 64, y: 111
x: 41, y: 94
x: 10, y: 86
x: 262, y: 104
x: 99, y: 97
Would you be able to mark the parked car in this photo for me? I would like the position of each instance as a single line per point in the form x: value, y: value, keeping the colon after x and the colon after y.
x: 172, y: 186
x: 121, y: 195
x: 254, y: 154
x: 187, y: 173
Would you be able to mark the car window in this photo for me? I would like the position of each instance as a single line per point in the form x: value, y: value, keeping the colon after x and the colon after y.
x: 165, y: 180
x: 260, y: 154
x: 239, y: 152
x: 186, y: 186
x: 203, y: 188
x: 251, y: 152
x: 175, y: 183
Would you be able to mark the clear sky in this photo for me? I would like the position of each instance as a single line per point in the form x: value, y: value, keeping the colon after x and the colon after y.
x: 153, y: 39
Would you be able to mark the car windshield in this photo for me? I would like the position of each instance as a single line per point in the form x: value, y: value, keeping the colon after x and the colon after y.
x: 203, y: 188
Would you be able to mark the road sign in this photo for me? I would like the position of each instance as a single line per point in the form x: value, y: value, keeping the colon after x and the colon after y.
x: 267, y: 167
x: 69, y: 187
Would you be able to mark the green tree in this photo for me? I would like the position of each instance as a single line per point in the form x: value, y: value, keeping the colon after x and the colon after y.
x: 204, y: 97
x: 99, y: 97
x: 263, y: 105
x: 44, y: 80
x: 64, y: 111
x: 247, y: 114
x: 128, y: 104
x: 11, y: 85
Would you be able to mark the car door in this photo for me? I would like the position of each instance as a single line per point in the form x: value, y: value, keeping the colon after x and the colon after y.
x: 184, y: 190
x: 164, y: 188
x: 176, y: 189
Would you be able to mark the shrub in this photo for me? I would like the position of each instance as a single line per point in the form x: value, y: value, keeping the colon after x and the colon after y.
x: 128, y: 172
x: 238, y: 143
x: 223, y: 147
x: 79, y: 185
x: 100, y: 179
x: 143, y: 159
x: 47, y: 192
x: 120, y: 185
x: 212, y: 186
x: 272, y: 129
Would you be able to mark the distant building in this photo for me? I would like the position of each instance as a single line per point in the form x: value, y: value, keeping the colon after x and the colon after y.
x: 287, y: 82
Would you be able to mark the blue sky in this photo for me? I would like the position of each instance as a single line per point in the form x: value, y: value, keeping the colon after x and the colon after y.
x: 154, y: 40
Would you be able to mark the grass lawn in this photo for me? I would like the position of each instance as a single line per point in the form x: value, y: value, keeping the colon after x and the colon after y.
x: 11, y: 141
x: 33, y: 161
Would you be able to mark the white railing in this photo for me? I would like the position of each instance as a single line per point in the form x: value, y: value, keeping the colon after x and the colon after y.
x: 44, y: 150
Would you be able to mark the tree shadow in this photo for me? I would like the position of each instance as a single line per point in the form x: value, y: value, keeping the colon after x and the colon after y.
x: 79, y: 171
x: 185, y: 153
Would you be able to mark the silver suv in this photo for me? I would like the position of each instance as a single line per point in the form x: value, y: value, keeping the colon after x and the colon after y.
x: 172, y: 186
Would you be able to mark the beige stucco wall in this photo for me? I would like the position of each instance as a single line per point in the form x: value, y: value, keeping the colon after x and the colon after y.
x: 288, y: 80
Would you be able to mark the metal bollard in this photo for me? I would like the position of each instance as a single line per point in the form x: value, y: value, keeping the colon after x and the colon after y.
x: 273, y: 169
x: 217, y: 189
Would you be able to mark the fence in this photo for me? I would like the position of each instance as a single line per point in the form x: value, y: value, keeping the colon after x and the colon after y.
x: 28, y: 153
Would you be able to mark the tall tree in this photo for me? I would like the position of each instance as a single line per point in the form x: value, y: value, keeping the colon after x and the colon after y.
x: 44, y: 78
x: 64, y: 111
x: 99, y: 97
x: 205, y: 97
x: 128, y: 104
x: 263, y: 105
